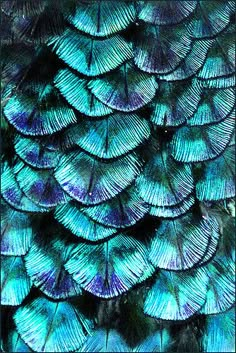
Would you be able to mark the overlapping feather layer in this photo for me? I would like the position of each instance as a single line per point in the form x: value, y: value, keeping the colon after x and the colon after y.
x: 118, y: 174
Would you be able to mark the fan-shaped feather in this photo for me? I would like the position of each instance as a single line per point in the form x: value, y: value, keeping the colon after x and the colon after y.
x: 81, y: 225
x: 219, y: 334
x: 91, y: 181
x: 159, y: 341
x: 77, y: 94
x: 121, y: 211
x: 164, y: 182
x: 125, y: 89
x: 173, y: 211
x: 181, y: 243
x: 192, y: 62
x: 111, y: 137
x: 40, y: 186
x: 45, y: 265
x: 110, y: 268
x: 14, y: 196
x: 15, y: 283
x: 30, y: 117
x: 105, y: 341
x: 210, y: 18
x: 214, y: 106
x: 221, y: 289
x: 194, y: 144
x: 48, y: 326
x: 91, y: 56
x: 218, y: 179
x: 220, y: 59
x: 160, y: 49
x: 16, y: 231
x: 16, y: 344
x: 37, y: 153
x: 165, y: 12
x: 102, y: 18
x: 175, y: 103
x: 176, y: 295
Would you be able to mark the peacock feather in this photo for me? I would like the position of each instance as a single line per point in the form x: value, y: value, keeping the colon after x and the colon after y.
x: 118, y: 176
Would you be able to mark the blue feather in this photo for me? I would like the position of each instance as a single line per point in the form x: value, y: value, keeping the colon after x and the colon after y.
x: 48, y: 326
x: 79, y: 224
x: 91, y: 181
x: 105, y: 341
x: 163, y: 181
x: 159, y: 49
x: 110, y: 268
x: 126, y: 89
x: 176, y: 296
x: 16, y: 231
x: 15, y: 283
x: 110, y: 137
x: 194, y: 144
x: 219, y: 335
x: 89, y: 56
x: 102, y: 19
x: 165, y: 12
x: 75, y: 91
x: 121, y: 211
x: 45, y: 265
x: 181, y: 243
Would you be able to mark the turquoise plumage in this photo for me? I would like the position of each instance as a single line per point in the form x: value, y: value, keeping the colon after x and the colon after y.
x: 118, y: 176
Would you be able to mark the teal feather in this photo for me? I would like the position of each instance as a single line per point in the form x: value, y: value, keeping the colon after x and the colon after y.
x: 219, y: 335
x: 175, y: 102
x: 16, y: 344
x: 110, y: 268
x: 220, y: 82
x: 210, y: 18
x: 176, y: 295
x: 160, y: 49
x: 48, y: 326
x: 79, y: 224
x: 16, y: 231
x: 91, y: 181
x: 37, y: 153
x: 102, y: 19
x: 194, y: 144
x: 165, y: 12
x: 159, y: 341
x: 163, y: 181
x: 32, y: 116
x: 218, y: 181
x: 192, y: 62
x: 75, y: 91
x: 173, y: 211
x: 220, y: 295
x: 121, y: 211
x: 45, y: 265
x: 110, y: 137
x: 181, y: 243
x: 13, y: 195
x: 215, y: 105
x: 105, y: 341
x: 15, y: 283
x: 126, y: 89
x: 89, y: 56
x: 40, y: 186
x: 220, y: 59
